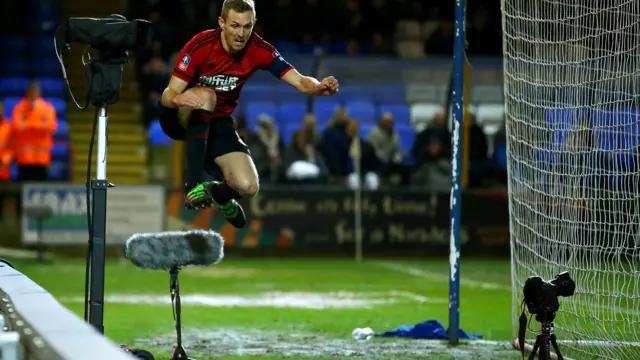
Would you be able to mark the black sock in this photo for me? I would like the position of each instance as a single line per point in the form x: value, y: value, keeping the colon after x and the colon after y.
x: 196, y: 143
x: 222, y: 193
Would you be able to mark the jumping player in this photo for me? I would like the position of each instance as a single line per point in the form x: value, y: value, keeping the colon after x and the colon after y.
x: 203, y: 92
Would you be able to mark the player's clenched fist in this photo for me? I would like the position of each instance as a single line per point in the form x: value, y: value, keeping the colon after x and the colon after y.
x: 329, y: 86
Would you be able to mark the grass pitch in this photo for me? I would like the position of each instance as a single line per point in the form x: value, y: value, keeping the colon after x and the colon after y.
x: 299, y: 309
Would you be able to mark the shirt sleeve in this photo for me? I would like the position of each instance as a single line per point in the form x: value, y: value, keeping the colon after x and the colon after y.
x: 192, y: 57
x: 270, y: 59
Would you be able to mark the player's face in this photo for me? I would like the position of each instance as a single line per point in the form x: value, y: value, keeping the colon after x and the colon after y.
x: 237, y: 29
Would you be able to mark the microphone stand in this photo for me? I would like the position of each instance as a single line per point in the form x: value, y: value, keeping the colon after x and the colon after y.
x: 174, y: 287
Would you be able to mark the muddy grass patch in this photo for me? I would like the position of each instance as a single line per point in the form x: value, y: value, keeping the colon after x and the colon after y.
x: 242, y: 342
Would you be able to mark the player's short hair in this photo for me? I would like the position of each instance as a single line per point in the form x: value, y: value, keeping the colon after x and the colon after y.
x: 239, y: 6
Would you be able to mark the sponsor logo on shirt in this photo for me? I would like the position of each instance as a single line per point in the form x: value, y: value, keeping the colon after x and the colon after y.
x: 219, y: 82
x: 184, y: 62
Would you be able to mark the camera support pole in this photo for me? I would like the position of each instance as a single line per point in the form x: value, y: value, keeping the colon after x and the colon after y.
x: 99, y: 187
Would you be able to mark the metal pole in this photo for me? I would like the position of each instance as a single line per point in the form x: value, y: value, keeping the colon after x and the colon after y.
x: 101, y: 159
x: 357, y: 199
x: 456, y: 163
x: 99, y: 187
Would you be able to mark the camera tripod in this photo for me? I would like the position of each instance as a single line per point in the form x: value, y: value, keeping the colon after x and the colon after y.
x: 545, y: 338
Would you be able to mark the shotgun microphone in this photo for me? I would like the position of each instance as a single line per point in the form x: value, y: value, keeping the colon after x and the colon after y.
x: 175, y: 249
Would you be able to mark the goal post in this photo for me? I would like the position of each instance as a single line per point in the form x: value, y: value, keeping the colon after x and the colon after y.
x: 572, y: 85
x: 458, y: 108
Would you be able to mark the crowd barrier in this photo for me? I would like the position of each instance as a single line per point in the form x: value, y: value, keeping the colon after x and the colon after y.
x: 47, y: 330
x: 292, y: 220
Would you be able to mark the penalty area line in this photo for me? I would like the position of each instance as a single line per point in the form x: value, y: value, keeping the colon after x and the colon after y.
x: 416, y: 272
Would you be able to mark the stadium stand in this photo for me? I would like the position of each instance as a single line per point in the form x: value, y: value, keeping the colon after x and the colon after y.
x: 33, y: 58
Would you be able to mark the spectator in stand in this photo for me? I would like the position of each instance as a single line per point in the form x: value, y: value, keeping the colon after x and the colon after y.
x: 153, y: 81
x: 302, y: 163
x: 266, y: 148
x: 386, y: 144
x: 479, y: 165
x: 34, y: 122
x: 434, y: 167
x: 437, y: 128
x: 379, y: 18
x: 310, y: 129
x: 380, y: 45
x: 6, y: 154
x: 362, y: 151
x: 335, y: 144
x: 441, y: 40
x: 431, y: 151
x: 311, y: 26
x: 350, y: 22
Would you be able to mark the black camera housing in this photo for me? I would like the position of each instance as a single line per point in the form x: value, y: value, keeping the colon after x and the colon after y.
x: 113, y: 37
x: 541, y: 297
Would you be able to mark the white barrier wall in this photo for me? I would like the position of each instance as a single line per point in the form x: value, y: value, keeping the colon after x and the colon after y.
x: 48, y: 331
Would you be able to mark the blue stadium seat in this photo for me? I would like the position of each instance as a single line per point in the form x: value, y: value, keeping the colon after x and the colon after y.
x: 501, y: 156
x: 617, y: 135
x: 42, y: 46
x: 286, y: 47
x: 401, y: 112
x: 58, y: 170
x: 62, y: 131
x: 288, y: 130
x: 60, y: 150
x: 157, y: 137
x: 291, y: 112
x: 338, y: 48
x: 14, y: 171
x: 59, y: 105
x: 14, y: 86
x: 15, y: 66
x: 389, y: 93
x: 255, y: 109
x: 46, y: 67
x: 51, y: 87
x: 254, y: 93
x: 363, y: 111
x: 562, y: 122
x: 350, y: 93
x: 407, y: 135
x: 9, y: 104
x: 324, y: 110
x: 15, y: 46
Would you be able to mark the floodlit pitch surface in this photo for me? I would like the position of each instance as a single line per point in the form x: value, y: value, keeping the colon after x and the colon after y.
x: 298, y: 309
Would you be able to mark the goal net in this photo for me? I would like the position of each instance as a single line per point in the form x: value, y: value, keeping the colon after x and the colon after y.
x: 572, y: 93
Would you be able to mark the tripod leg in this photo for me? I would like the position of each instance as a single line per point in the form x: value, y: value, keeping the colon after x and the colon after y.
x: 179, y: 353
x: 554, y: 343
x: 536, y: 346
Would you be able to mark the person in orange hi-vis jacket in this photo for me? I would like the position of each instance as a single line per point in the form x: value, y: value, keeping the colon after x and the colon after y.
x: 33, y: 125
x: 6, y: 154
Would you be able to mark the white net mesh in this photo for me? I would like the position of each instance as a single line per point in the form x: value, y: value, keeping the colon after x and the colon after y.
x: 573, y: 132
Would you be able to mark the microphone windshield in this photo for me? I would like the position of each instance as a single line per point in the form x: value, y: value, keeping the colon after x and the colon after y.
x: 175, y: 249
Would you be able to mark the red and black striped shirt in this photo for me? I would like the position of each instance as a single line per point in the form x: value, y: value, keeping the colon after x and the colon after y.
x: 203, y: 61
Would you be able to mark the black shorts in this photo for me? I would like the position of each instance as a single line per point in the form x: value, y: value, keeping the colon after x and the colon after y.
x: 222, y: 139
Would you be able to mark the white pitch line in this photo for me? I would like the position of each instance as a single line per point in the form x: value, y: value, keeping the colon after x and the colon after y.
x: 413, y: 271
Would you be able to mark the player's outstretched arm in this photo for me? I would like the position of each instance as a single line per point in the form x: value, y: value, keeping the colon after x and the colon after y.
x: 310, y: 86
